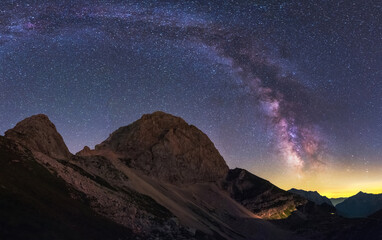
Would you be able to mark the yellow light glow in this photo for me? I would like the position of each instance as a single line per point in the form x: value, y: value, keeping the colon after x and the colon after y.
x: 332, y: 181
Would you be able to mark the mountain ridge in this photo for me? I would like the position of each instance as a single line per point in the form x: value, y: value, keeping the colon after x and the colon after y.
x: 360, y: 205
x: 313, y: 196
x: 135, y: 201
x: 148, y: 204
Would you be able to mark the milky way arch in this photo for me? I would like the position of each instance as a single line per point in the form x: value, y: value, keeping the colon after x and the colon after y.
x: 289, y: 106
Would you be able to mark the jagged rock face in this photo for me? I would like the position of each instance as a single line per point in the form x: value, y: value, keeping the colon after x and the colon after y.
x: 259, y: 195
x: 39, y: 134
x: 165, y: 146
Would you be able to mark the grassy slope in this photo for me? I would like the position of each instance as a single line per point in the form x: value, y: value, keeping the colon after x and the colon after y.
x: 34, y: 204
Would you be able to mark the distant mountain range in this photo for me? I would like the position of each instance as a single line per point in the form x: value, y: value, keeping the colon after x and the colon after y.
x: 360, y: 205
x: 357, y: 206
x: 312, y: 196
x: 157, y: 178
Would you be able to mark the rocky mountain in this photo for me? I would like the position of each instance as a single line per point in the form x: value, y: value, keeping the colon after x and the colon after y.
x: 312, y: 196
x: 157, y: 178
x: 336, y: 201
x: 166, y: 147
x: 360, y: 205
x: 39, y: 134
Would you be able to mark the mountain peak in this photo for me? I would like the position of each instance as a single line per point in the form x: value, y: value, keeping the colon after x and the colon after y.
x: 360, y: 205
x: 39, y: 134
x: 159, y: 113
x: 167, y: 147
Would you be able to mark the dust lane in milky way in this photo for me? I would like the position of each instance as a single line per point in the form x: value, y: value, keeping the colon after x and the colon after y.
x: 289, y: 90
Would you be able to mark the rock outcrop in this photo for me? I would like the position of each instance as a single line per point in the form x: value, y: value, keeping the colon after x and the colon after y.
x: 38, y: 133
x: 165, y: 146
x: 260, y: 196
x: 86, y: 151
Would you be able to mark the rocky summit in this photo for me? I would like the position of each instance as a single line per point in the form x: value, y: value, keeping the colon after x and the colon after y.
x: 39, y: 134
x: 166, y: 147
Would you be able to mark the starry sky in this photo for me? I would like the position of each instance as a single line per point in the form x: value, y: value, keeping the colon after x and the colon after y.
x: 290, y: 90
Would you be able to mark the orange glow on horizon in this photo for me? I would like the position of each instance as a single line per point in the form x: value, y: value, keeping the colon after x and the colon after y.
x: 333, y: 181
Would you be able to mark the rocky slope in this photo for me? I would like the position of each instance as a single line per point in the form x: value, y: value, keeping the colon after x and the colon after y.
x: 260, y: 196
x: 312, y: 196
x: 35, y: 204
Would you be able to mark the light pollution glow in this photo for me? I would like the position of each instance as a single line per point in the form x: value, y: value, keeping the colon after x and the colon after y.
x: 332, y: 182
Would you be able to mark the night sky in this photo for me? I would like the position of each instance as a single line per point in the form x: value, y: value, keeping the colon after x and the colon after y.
x: 290, y: 90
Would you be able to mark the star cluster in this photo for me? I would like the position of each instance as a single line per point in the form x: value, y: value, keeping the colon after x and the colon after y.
x: 290, y: 90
